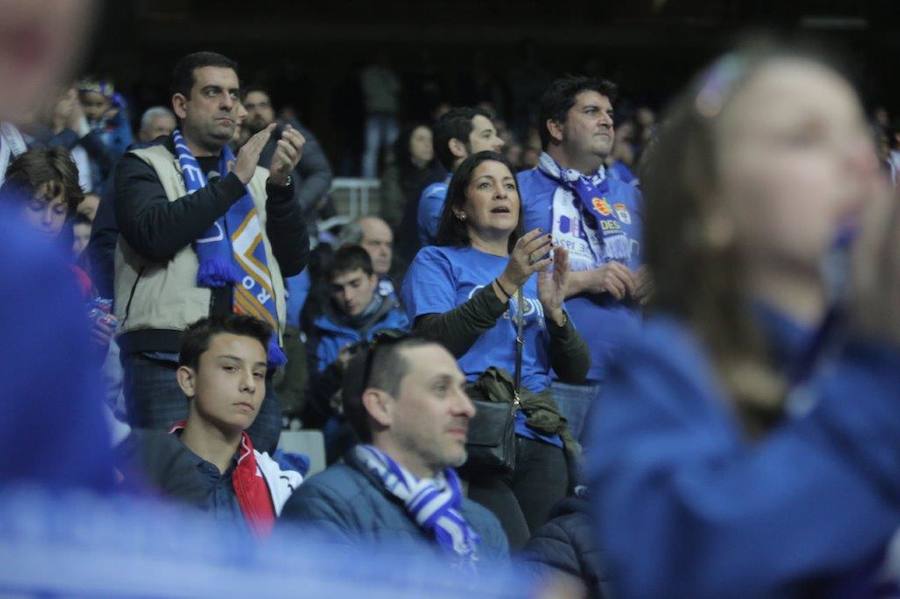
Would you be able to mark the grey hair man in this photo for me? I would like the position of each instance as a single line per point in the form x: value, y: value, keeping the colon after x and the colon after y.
x: 157, y: 121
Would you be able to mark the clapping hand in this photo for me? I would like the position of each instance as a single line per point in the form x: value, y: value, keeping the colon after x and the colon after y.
x: 531, y: 254
x: 248, y: 155
x: 288, y: 152
x: 553, y: 285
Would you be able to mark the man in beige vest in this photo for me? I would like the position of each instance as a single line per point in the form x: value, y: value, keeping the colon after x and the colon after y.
x: 176, y: 198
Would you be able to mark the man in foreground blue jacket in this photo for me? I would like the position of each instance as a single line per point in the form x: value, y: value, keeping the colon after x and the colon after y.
x: 406, y: 401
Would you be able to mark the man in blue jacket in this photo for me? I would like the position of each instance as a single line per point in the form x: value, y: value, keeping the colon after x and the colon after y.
x: 405, y: 398
x: 355, y: 313
x: 597, y: 218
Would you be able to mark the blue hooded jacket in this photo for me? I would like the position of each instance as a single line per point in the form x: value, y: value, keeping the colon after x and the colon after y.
x: 329, y: 337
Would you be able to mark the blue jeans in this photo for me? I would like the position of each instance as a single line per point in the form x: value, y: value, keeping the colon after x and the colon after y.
x: 574, y: 401
x: 154, y: 400
x: 381, y: 131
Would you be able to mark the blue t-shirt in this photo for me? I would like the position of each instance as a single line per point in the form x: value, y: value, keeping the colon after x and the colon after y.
x: 442, y: 278
x: 431, y: 205
x: 603, y: 321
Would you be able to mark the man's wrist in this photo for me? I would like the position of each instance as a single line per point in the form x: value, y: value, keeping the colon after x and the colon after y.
x: 281, y: 181
x: 578, y: 282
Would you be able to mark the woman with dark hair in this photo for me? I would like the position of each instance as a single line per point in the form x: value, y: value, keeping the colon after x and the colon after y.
x: 748, y: 442
x: 465, y: 291
x: 413, y: 167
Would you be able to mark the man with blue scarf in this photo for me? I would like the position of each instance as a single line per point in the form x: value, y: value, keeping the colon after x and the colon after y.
x: 202, y: 232
x: 597, y: 218
x: 406, y: 401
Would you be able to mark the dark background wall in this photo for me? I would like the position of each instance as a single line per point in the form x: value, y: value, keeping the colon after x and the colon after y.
x: 310, y: 52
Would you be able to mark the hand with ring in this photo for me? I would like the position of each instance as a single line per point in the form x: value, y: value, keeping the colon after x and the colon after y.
x: 532, y: 253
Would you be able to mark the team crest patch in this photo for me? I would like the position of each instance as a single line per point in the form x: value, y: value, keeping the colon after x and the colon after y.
x: 601, y: 206
x: 622, y: 213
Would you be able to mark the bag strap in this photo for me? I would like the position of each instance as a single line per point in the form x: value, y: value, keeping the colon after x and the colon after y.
x: 520, y: 342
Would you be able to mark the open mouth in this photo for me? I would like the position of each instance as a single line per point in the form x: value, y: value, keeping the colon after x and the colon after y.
x: 501, y: 210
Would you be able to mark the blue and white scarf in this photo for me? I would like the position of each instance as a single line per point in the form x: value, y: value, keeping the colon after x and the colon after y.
x: 433, y: 503
x: 232, y: 250
x: 583, y: 219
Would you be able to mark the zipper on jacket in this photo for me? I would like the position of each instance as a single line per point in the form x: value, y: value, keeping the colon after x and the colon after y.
x: 131, y: 296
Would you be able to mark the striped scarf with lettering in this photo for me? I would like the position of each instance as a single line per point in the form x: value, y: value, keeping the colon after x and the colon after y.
x: 584, y: 220
x: 232, y: 251
x: 433, y: 503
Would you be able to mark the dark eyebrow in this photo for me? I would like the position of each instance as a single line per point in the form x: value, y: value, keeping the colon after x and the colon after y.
x: 237, y: 359
x: 219, y: 88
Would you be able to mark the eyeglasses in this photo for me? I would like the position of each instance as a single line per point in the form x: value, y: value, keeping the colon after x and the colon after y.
x: 380, y: 340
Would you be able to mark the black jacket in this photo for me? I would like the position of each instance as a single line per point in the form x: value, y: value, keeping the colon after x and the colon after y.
x: 101, y: 249
x: 157, y: 229
x: 566, y: 543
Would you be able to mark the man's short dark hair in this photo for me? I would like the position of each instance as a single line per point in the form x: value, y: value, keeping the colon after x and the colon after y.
x: 560, y: 98
x: 350, y: 258
x: 387, y: 370
x: 197, y: 336
x: 456, y: 123
x: 183, y: 73
x: 53, y: 167
x: 256, y: 87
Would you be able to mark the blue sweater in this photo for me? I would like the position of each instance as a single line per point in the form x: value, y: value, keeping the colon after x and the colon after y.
x: 686, y: 507
x: 431, y: 206
x: 351, y: 506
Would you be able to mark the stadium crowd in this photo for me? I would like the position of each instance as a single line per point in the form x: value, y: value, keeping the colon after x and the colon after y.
x: 660, y: 358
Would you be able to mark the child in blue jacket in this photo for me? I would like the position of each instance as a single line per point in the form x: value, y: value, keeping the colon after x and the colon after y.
x: 744, y: 445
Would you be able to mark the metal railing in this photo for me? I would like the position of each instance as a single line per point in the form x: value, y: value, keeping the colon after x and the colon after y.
x: 357, y: 192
